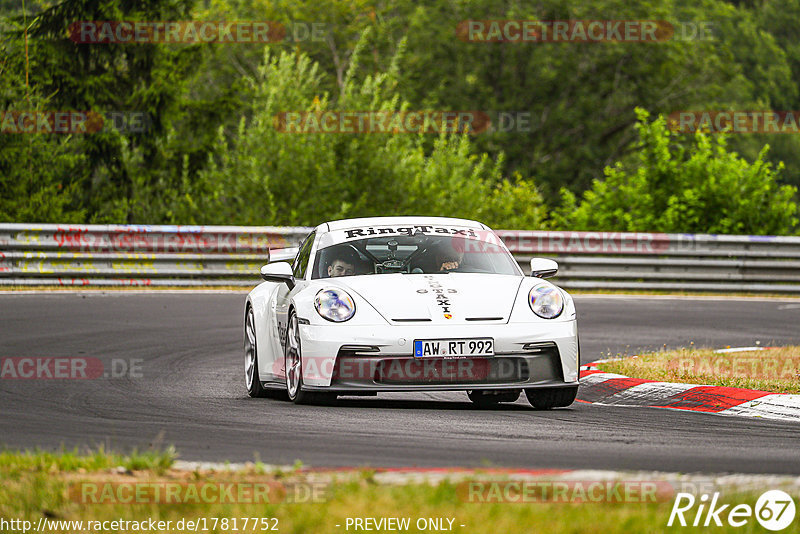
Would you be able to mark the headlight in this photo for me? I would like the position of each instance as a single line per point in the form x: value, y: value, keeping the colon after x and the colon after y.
x: 546, y: 301
x: 334, y: 305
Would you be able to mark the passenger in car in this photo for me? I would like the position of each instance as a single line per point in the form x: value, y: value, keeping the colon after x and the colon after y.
x: 448, y: 259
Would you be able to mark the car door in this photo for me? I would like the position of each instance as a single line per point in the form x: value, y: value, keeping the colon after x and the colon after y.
x: 283, y: 297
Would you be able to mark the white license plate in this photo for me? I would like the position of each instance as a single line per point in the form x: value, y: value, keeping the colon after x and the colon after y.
x: 453, y: 348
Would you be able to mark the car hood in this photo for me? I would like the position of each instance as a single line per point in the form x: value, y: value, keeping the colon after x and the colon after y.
x: 438, y: 298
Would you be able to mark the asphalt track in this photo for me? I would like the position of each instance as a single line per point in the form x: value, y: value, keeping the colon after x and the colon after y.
x: 190, y: 393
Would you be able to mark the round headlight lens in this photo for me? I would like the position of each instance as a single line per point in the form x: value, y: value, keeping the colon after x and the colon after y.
x: 546, y: 301
x: 334, y: 305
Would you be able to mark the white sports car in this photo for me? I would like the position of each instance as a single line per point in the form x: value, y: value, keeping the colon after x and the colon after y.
x: 409, y: 304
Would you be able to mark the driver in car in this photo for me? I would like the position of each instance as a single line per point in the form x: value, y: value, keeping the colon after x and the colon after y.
x: 343, y: 263
x: 449, y: 259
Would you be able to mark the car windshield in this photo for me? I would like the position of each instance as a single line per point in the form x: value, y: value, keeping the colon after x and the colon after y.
x: 414, y: 254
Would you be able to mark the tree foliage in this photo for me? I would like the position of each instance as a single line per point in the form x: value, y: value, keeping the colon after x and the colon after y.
x: 260, y: 172
x: 213, y: 155
x: 670, y: 185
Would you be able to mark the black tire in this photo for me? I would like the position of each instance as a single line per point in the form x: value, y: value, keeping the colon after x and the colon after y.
x: 486, y: 398
x: 294, y: 368
x: 548, y: 398
x: 251, y: 379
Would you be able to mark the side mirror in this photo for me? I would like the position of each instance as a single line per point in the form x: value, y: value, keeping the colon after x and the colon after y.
x: 543, y: 267
x: 278, y: 272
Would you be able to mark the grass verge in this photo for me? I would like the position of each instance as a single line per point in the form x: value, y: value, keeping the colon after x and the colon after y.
x: 36, y: 485
x: 776, y: 370
x: 14, y: 463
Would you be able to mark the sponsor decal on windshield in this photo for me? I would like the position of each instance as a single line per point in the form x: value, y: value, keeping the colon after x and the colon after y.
x: 409, y: 230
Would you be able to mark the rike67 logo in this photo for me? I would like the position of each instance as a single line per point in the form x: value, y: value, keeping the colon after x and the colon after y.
x: 774, y: 510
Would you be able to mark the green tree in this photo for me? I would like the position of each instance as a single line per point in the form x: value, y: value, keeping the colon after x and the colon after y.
x: 261, y: 175
x: 39, y: 174
x: 673, y: 186
x: 112, y: 77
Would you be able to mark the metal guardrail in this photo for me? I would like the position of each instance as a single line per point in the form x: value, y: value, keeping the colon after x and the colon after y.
x: 143, y: 255
x: 672, y: 262
x: 138, y: 255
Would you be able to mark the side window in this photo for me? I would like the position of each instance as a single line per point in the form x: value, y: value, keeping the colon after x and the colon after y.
x: 301, y: 261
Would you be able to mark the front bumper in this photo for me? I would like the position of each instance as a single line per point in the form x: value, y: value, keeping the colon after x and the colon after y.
x: 371, y: 358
